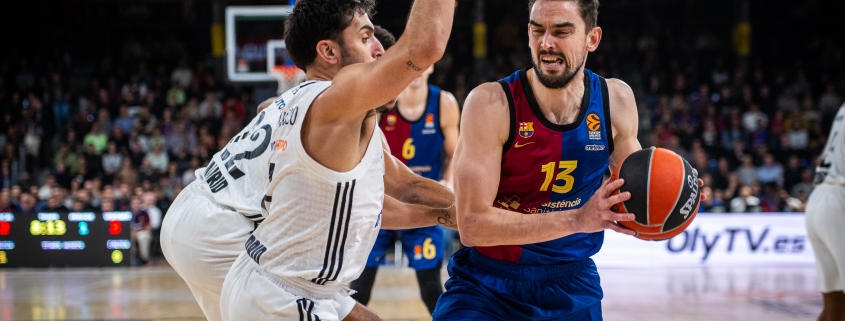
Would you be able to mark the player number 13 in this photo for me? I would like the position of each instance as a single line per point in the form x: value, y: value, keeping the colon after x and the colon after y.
x: 566, y: 168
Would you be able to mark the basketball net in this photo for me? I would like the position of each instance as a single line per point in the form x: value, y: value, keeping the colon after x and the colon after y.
x: 287, y: 77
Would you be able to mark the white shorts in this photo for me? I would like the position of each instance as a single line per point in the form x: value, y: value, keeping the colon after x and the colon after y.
x: 201, y: 241
x: 825, y: 223
x: 249, y: 293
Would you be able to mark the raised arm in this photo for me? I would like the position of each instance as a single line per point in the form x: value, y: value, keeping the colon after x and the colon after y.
x: 358, y: 88
x: 484, y: 130
x: 450, y: 116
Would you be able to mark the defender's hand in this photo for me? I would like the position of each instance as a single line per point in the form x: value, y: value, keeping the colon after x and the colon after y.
x: 596, y: 216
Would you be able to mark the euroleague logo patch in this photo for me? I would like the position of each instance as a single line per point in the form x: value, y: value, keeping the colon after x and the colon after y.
x: 594, y: 126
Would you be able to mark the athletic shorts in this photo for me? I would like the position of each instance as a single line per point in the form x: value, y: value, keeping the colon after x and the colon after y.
x: 825, y: 223
x: 250, y: 293
x: 423, y: 246
x: 201, y: 240
x: 481, y: 288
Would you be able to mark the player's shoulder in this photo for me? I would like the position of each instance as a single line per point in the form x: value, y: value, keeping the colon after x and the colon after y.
x: 487, y: 106
x: 488, y: 94
x: 621, y: 97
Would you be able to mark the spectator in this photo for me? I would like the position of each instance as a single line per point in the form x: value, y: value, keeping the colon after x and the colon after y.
x: 147, y: 174
x: 145, y: 121
x: 158, y: 159
x: 45, y: 190
x: 124, y: 121
x: 747, y: 172
x: 754, y: 119
x: 66, y: 157
x: 127, y: 173
x: 142, y: 231
x: 149, y: 205
x: 181, y: 139
x: 190, y: 174
x: 798, y: 136
x: 770, y: 172
x: 829, y: 101
x: 5, y: 201
x: 745, y: 202
x: 234, y: 114
x: 27, y: 206
x: 182, y: 75
x: 805, y: 187
x: 93, y: 160
x: 96, y: 138
x: 54, y: 203
x: 123, y: 199
x: 792, y: 173
x: 790, y: 204
x: 111, y: 161
x: 211, y: 107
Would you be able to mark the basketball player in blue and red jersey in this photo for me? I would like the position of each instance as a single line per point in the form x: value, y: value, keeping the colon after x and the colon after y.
x: 422, y: 131
x: 529, y: 166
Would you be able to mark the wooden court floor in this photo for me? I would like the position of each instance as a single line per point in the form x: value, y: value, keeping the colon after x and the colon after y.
x: 157, y: 293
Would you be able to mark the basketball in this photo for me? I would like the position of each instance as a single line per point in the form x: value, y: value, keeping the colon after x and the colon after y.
x: 664, y: 193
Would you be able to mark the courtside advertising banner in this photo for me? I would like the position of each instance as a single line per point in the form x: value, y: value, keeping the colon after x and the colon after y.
x: 770, y: 239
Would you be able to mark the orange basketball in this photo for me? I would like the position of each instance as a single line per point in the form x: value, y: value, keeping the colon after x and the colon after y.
x: 664, y: 193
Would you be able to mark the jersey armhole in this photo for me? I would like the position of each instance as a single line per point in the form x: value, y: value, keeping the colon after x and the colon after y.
x: 606, y: 102
x: 512, y: 111
x: 440, y: 114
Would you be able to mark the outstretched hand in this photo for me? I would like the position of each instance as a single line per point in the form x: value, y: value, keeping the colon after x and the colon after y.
x: 596, y: 216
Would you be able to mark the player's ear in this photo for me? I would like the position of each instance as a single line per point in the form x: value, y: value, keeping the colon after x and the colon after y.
x: 328, y: 51
x: 593, y: 39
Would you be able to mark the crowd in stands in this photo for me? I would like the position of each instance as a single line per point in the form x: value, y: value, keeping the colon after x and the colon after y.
x: 134, y: 137
x: 120, y: 145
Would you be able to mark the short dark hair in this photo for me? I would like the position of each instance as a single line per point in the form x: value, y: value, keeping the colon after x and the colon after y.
x: 312, y: 21
x: 589, y: 11
x: 385, y: 37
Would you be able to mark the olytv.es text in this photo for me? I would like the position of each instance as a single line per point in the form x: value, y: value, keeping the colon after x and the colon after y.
x: 735, y: 239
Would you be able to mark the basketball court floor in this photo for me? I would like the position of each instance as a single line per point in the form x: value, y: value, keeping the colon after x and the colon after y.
x: 157, y: 293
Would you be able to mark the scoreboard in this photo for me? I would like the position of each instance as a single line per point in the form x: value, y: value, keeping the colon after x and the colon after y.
x: 65, y: 239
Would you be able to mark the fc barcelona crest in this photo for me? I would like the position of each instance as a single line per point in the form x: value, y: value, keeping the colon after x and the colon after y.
x: 391, y: 122
x: 526, y: 129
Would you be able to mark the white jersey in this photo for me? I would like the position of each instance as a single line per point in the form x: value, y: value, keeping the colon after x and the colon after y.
x: 236, y: 176
x: 320, y: 224
x: 832, y: 168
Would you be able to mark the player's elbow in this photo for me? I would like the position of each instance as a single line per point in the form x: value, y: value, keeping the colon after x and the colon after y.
x: 470, y: 232
x: 427, y: 53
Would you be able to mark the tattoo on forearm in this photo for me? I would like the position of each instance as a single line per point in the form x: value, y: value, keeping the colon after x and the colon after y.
x: 413, y: 66
x: 446, y: 218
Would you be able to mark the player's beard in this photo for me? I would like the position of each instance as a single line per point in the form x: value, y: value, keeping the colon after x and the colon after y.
x: 347, y: 58
x: 561, y: 80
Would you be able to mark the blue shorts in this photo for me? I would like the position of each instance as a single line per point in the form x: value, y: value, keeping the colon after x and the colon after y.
x: 423, y: 246
x: 481, y: 288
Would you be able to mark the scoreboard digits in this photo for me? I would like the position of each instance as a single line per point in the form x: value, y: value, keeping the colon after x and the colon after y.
x: 65, y: 239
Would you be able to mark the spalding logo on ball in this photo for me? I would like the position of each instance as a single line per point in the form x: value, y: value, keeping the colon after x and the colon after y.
x: 664, y: 193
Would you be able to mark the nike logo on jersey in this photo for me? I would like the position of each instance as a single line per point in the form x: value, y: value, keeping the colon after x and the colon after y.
x: 517, y: 145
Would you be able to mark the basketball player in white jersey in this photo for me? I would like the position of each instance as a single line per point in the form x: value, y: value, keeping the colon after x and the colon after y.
x: 826, y: 221
x: 205, y: 231
x: 328, y: 175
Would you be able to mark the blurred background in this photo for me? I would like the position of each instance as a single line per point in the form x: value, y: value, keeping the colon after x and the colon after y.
x: 112, y: 105
x: 101, y: 100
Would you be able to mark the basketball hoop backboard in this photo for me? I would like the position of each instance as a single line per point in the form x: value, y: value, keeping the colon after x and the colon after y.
x: 282, y: 67
x: 248, y: 30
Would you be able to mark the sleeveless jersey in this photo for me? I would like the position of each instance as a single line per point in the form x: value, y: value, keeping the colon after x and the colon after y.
x: 320, y: 224
x: 549, y: 167
x: 832, y: 168
x: 237, y: 175
x: 406, y: 137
